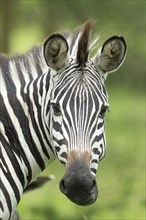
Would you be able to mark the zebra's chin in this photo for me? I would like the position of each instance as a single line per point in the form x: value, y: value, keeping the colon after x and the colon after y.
x: 84, y: 200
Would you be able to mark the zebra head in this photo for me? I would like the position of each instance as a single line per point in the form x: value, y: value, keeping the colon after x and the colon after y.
x: 78, y: 105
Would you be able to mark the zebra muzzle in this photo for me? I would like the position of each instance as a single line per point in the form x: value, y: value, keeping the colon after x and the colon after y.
x: 78, y: 184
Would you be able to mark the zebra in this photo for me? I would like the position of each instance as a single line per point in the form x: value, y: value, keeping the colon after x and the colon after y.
x: 53, y: 104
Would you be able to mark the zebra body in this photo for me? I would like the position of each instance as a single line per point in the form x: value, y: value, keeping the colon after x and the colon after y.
x: 22, y: 132
x: 53, y: 101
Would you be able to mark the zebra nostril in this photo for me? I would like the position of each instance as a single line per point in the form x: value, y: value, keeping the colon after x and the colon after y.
x: 93, y: 185
x: 63, y: 187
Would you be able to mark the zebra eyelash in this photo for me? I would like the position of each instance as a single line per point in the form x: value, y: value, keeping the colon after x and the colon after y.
x: 103, y: 111
x: 56, y: 109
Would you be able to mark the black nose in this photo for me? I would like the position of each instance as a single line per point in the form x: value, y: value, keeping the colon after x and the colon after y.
x: 79, y: 185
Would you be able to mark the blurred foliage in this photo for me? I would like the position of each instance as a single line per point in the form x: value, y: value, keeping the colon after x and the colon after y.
x: 27, y: 22
x: 121, y: 175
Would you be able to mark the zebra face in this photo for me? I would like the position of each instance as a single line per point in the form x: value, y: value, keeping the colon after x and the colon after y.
x: 78, y: 134
x: 78, y: 105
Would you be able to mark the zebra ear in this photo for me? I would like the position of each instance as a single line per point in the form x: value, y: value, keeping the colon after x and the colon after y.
x: 111, y: 54
x: 55, y: 51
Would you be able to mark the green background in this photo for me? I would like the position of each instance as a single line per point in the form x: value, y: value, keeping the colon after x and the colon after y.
x: 121, y: 174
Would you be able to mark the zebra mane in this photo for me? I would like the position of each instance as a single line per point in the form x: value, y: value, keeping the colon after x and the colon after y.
x: 82, y: 52
x: 79, y: 44
x: 32, y: 57
x: 35, y: 51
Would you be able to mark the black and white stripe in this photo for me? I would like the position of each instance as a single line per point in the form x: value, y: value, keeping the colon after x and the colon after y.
x: 52, y: 102
x: 25, y: 146
x: 80, y: 99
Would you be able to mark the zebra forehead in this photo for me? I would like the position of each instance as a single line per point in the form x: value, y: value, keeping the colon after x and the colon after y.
x: 80, y: 86
x: 80, y: 92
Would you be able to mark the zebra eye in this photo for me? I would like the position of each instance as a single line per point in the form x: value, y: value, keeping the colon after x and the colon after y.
x: 103, y: 111
x: 56, y: 109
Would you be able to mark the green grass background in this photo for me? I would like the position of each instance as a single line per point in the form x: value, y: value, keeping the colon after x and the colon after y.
x: 120, y: 177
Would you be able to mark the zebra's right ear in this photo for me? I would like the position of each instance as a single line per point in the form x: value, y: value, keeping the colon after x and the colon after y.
x: 55, y: 52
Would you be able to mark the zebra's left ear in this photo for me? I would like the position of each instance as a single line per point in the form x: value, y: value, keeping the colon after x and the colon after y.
x: 111, y: 55
x: 55, y: 52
